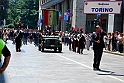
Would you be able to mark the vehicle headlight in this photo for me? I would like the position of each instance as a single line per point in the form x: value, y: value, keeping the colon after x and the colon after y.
x: 44, y: 41
x: 60, y: 42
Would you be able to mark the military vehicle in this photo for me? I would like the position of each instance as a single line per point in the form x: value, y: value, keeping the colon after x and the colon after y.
x: 50, y: 42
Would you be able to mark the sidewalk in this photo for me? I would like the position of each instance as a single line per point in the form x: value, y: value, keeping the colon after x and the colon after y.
x: 116, y: 53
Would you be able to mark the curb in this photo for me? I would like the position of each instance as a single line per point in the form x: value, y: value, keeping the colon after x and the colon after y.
x: 116, y: 53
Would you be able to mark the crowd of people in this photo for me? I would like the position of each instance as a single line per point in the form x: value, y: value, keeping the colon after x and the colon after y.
x: 113, y: 42
x: 20, y: 37
x: 76, y: 40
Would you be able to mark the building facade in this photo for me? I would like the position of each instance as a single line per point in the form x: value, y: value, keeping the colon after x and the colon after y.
x: 110, y: 22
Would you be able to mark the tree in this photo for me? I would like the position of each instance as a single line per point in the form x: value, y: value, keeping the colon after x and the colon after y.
x: 25, y: 11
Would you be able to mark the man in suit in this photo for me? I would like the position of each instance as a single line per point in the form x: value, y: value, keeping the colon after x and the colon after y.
x: 98, y: 45
x: 18, y: 40
x: 81, y: 40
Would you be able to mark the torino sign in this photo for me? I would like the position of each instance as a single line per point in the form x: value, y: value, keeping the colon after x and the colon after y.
x: 102, y: 7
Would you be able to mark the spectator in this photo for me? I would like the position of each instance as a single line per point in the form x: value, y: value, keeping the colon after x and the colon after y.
x: 120, y: 42
x: 108, y: 41
x: 114, y: 42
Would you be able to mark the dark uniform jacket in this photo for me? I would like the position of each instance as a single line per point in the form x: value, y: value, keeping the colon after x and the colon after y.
x: 95, y: 38
x: 18, y: 38
x: 81, y: 41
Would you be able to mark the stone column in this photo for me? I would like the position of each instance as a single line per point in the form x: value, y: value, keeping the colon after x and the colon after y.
x: 71, y: 10
x: 71, y: 6
x: 79, y: 19
x: 110, y: 23
x: 59, y: 22
x: 74, y: 13
x: 40, y: 15
x: 58, y: 9
x: 55, y: 27
x: 64, y: 9
x: 62, y: 5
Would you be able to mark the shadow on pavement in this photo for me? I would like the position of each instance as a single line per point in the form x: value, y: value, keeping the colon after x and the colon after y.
x: 110, y: 73
x: 2, y: 77
x: 22, y: 50
x: 85, y: 54
x: 51, y: 51
x: 107, y: 71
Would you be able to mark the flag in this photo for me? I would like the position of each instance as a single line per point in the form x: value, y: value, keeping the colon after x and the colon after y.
x: 50, y: 17
x: 59, y: 16
x: 40, y: 21
x: 66, y: 15
x: 54, y: 18
x: 45, y: 14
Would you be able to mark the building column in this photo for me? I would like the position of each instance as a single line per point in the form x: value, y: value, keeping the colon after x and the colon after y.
x: 64, y: 9
x: 111, y: 23
x: 71, y: 11
x: 58, y: 25
x: 62, y: 6
x: 71, y: 6
x: 55, y: 27
x: 40, y: 15
x: 79, y: 19
x: 59, y: 22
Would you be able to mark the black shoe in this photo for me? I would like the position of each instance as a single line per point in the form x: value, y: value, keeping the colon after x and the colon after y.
x: 96, y: 69
x: 81, y: 52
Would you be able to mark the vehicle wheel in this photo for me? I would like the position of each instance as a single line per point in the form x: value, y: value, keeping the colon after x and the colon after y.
x: 60, y: 50
x: 42, y: 49
x: 55, y: 49
x: 39, y: 48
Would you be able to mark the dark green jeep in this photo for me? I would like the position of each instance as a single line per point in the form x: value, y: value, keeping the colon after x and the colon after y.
x: 50, y: 42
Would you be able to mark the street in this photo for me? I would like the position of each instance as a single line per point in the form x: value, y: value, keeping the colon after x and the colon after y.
x: 33, y: 66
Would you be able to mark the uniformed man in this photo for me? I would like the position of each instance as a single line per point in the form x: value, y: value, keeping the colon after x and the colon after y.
x: 75, y: 42
x: 81, y: 40
x: 6, y: 53
x: 18, y: 40
x: 39, y: 41
x: 36, y: 34
x: 98, y: 45
x: 66, y: 38
x: 70, y: 41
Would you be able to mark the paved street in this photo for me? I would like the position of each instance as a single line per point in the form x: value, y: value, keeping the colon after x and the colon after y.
x: 33, y: 66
